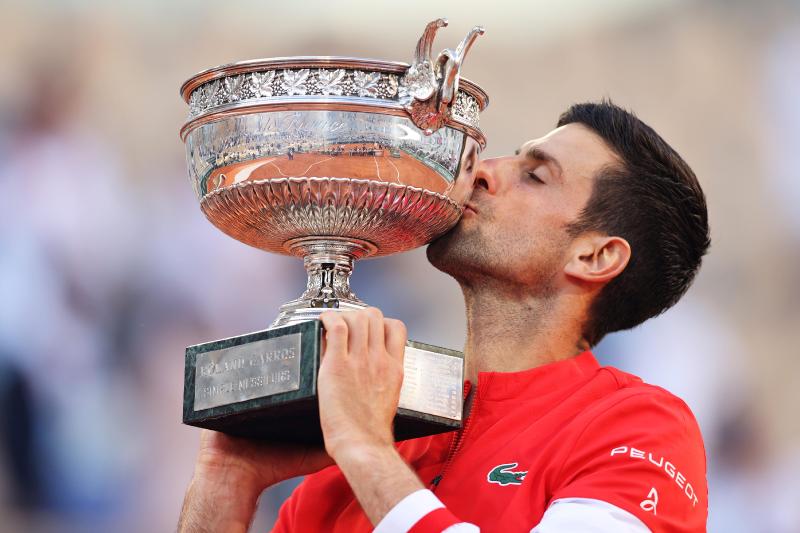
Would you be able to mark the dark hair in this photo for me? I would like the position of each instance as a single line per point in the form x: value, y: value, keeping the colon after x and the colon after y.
x: 653, y: 200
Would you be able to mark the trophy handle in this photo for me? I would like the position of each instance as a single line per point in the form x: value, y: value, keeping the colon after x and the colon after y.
x: 453, y: 61
x: 425, y: 43
x: 429, y: 86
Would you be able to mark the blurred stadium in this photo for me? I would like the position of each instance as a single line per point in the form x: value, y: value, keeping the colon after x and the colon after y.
x: 108, y: 268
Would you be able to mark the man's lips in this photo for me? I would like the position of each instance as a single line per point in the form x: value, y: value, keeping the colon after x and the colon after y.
x: 470, y: 208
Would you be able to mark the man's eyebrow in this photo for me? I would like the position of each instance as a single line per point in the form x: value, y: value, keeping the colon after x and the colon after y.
x: 534, y: 152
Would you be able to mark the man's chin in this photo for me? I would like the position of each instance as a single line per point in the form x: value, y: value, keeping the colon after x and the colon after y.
x: 449, y: 253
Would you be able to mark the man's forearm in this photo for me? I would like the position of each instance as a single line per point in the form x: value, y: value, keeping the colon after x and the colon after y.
x: 218, y: 503
x: 379, y: 477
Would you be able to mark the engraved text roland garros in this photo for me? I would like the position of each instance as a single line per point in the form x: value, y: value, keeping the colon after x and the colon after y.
x: 247, y: 371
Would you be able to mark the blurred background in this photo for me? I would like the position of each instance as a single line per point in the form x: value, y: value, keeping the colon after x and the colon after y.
x: 108, y: 269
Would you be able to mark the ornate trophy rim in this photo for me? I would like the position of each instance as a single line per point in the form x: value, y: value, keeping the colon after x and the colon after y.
x: 273, y: 63
x: 469, y: 100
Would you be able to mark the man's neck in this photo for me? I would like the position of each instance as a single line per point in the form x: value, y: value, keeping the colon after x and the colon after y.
x: 509, y: 332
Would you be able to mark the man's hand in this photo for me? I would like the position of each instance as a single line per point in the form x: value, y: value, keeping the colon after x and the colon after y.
x: 255, y: 463
x: 231, y: 473
x: 359, y: 387
x: 359, y: 379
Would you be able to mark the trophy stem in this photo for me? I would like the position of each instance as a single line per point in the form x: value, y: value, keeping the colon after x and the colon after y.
x: 329, y: 263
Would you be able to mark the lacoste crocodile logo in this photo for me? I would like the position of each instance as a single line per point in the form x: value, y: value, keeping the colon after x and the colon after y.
x: 504, y: 475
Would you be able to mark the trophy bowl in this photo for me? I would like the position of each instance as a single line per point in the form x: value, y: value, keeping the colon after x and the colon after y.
x: 332, y: 159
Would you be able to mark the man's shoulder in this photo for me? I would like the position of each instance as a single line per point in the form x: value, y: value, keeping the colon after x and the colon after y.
x: 611, y: 392
x: 631, y: 392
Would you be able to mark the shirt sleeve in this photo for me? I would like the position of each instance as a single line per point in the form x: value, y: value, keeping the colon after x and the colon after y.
x: 422, y: 512
x: 643, y: 454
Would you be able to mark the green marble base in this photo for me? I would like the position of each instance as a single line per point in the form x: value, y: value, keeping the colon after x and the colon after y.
x: 263, y: 385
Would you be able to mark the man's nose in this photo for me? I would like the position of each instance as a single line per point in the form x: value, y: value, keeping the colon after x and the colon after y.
x: 486, y: 175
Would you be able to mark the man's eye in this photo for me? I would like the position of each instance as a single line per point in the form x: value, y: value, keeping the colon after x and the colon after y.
x: 535, y: 177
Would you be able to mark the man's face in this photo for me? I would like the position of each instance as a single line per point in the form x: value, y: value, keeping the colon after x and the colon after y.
x: 514, y: 228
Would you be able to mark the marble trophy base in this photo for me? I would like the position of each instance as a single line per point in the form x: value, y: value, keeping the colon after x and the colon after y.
x: 263, y: 385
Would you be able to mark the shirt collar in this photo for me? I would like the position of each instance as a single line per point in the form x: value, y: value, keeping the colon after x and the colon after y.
x: 505, y: 385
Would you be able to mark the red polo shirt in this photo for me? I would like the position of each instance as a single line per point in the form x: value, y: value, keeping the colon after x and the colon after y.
x: 570, y: 429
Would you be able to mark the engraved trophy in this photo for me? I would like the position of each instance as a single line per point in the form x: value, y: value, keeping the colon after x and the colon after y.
x: 330, y: 159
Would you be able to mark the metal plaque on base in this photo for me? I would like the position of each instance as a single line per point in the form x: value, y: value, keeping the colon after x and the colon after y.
x: 329, y: 159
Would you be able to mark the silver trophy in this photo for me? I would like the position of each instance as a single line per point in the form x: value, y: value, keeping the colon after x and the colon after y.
x: 330, y: 159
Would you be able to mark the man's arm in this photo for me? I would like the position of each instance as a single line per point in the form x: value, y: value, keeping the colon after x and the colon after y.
x: 379, y: 477
x: 218, y: 503
x: 359, y: 388
x: 230, y: 475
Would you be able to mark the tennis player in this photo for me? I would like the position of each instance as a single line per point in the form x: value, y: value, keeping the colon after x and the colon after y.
x: 593, y: 228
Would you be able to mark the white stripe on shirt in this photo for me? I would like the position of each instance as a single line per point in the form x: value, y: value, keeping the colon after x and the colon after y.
x: 574, y: 515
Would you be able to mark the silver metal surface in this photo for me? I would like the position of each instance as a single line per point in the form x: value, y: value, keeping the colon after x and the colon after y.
x: 344, y: 104
x: 275, y: 63
x: 320, y: 143
x: 389, y: 217
x: 247, y: 371
x: 334, y: 159
x: 328, y: 262
x: 432, y: 383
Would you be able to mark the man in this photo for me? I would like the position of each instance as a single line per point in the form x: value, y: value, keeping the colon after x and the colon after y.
x: 594, y: 228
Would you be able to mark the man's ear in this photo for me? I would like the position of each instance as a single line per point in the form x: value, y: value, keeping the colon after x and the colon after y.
x: 598, y: 258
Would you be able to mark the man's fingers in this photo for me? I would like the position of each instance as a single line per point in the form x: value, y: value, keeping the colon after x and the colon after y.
x: 361, y: 332
x: 376, y: 330
x: 396, y: 337
x: 336, y: 333
x: 357, y: 331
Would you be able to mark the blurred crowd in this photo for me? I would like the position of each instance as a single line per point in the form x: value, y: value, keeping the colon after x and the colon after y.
x: 108, y: 269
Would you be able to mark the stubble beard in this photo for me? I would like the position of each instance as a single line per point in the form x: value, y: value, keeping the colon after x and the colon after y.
x: 461, y: 253
x: 477, y: 259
